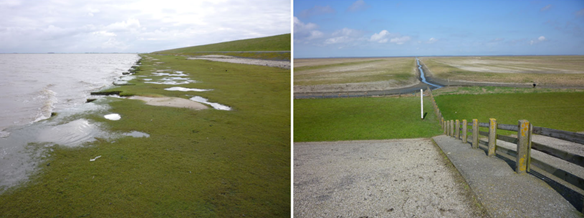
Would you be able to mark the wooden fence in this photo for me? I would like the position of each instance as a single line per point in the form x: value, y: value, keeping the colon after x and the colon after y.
x: 565, y: 173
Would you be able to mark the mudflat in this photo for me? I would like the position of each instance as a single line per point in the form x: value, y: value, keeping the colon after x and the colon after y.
x: 542, y: 70
x: 378, y: 178
x: 353, y: 74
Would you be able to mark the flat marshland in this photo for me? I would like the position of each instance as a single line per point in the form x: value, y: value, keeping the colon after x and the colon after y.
x: 196, y: 163
x: 552, y: 71
x: 353, y: 74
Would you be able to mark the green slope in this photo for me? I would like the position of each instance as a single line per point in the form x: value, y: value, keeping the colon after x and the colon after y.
x: 271, y: 43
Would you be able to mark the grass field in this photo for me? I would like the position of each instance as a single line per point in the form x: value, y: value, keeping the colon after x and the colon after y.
x: 543, y: 70
x: 207, y: 163
x: 248, y: 48
x: 362, y: 118
x: 557, y: 110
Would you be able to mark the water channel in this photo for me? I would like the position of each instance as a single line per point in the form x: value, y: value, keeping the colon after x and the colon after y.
x: 423, y: 77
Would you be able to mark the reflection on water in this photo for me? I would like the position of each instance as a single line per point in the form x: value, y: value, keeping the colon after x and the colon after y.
x: 214, y: 105
x: 423, y: 77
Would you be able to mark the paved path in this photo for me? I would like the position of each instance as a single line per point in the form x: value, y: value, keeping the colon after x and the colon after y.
x: 378, y: 178
x: 500, y: 190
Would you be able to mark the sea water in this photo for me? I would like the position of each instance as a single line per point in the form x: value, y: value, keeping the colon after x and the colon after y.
x: 32, y: 86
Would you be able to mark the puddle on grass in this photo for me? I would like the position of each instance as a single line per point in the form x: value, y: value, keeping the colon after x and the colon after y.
x: 182, y: 89
x: 214, y: 105
x: 172, y: 82
x: 136, y: 134
x: 23, y: 149
x: 176, y: 73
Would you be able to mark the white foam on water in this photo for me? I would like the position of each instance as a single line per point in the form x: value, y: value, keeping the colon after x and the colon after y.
x: 182, y: 89
x: 214, y: 105
x: 49, y: 99
x: 113, y: 117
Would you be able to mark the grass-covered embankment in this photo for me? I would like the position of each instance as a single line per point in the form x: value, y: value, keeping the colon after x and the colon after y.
x: 206, y: 163
x: 557, y: 110
x: 362, y: 118
x: 272, y: 47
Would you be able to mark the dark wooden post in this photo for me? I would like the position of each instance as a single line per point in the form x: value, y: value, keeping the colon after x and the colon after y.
x: 475, y: 133
x: 464, y: 131
x: 523, y: 153
x: 492, y: 136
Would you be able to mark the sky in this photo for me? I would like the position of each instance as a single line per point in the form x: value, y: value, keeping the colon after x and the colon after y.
x: 367, y: 28
x: 67, y: 26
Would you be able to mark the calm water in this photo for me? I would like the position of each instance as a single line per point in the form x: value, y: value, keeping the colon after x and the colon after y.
x: 34, y: 85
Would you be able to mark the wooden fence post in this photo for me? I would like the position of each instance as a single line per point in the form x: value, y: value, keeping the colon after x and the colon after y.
x: 457, y: 130
x: 475, y: 133
x: 442, y: 122
x: 492, y: 137
x: 448, y: 127
x: 523, y: 154
x: 452, y: 128
x: 464, y: 131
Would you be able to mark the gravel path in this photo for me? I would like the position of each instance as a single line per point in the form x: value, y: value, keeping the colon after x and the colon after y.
x: 385, y: 178
x: 237, y: 60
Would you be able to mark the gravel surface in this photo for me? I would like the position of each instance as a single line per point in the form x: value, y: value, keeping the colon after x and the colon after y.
x: 382, y: 178
x: 237, y: 60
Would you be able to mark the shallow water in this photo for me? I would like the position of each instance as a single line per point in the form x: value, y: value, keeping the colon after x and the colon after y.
x: 212, y: 104
x: 34, y: 85
x: 182, y: 89
x: 423, y: 77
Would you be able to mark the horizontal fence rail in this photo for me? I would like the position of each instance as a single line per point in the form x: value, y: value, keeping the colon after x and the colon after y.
x: 564, y: 175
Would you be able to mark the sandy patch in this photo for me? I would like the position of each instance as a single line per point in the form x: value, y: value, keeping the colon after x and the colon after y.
x: 171, y: 102
x: 377, y: 178
x: 237, y: 60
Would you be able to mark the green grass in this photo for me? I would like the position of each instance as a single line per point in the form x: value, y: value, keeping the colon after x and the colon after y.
x: 271, y: 43
x: 362, y: 118
x: 479, y: 90
x: 206, y: 163
x: 560, y: 110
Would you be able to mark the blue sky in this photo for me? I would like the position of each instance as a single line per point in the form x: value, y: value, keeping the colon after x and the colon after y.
x: 367, y: 28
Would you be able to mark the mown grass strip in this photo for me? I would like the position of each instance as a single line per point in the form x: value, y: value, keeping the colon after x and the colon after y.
x: 362, y: 118
x: 560, y: 110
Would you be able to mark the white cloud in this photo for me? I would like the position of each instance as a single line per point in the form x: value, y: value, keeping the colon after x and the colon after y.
x: 385, y: 36
x: 432, y: 40
x: 124, y: 25
x: 103, y: 33
x: 305, y: 31
x: 359, y: 5
x: 538, y: 40
x: 380, y: 37
x: 344, y: 35
x: 400, y: 40
x: 81, y: 26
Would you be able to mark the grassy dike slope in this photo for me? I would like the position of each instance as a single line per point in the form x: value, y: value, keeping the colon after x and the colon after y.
x: 339, y: 119
x: 206, y: 163
x: 271, y: 47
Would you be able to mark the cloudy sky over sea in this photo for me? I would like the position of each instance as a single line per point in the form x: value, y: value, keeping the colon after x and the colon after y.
x: 135, y: 26
x: 352, y: 28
